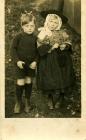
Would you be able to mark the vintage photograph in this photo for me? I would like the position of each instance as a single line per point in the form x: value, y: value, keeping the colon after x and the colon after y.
x: 43, y: 59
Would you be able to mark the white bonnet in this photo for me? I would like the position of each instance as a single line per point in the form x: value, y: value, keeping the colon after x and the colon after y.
x: 49, y: 16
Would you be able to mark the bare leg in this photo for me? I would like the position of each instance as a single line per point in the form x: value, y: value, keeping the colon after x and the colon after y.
x: 28, y: 91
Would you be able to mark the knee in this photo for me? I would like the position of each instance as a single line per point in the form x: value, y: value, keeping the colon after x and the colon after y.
x: 20, y: 82
x: 28, y: 80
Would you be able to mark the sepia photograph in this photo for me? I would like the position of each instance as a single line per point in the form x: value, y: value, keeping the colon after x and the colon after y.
x: 42, y: 69
x: 43, y: 59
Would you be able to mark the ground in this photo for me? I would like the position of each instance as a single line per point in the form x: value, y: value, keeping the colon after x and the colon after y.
x: 70, y: 108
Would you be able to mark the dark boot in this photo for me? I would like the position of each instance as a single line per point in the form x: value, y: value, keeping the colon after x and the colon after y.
x: 62, y: 97
x: 50, y: 100
x: 50, y: 104
x: 28, y: 91
x: 57, y: 99
x: 60, y: 100
x: 19, y: 92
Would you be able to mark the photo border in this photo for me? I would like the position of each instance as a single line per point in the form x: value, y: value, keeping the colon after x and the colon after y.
x: 43, y: 128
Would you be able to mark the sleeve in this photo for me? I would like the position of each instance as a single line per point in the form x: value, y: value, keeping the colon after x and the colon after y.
x: 37, y: 54
x: 67, y: 40
x: 69, y: 48
x: 14, y: 46
x: 43, y: 47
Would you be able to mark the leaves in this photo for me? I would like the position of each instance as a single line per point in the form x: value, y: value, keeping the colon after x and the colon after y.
x: 72, y: 103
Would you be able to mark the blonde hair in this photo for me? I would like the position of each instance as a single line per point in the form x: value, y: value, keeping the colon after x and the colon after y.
x: 26, y: 18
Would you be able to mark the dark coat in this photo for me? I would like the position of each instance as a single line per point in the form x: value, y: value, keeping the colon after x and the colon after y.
x: 55, y: 69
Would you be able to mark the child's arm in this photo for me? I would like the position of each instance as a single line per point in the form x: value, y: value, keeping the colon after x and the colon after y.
x: 43, y: 46
x: 55, y: 46
x: 43, y: 49
x: 67, y: 42
x: 65, y: 46
x: 44, y: 32
x: 14, y: 49
x: 14, y: 52
x: 34, y: 63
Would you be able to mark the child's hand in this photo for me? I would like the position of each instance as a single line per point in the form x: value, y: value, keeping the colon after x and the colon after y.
x: 33, y: 65
x: 62, y: 47
x: 20, y: 64
x: 55, y: 46
x: 44, y: 33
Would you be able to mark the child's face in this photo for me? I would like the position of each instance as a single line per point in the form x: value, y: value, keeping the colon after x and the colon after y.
x: 53, y: 24
x: 29, y: 27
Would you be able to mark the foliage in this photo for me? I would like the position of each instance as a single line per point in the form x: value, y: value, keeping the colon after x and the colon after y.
x: 13, y: 10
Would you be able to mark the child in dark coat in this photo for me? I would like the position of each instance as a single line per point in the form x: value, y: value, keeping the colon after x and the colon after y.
x: 55, y: 70
x: 24, y: 54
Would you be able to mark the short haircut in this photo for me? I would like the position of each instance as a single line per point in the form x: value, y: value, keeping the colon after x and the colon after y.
x: 26, y: 18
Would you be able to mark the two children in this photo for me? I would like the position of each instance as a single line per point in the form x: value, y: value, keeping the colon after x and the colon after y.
x: 55, y: 70
x: 24, y: 54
